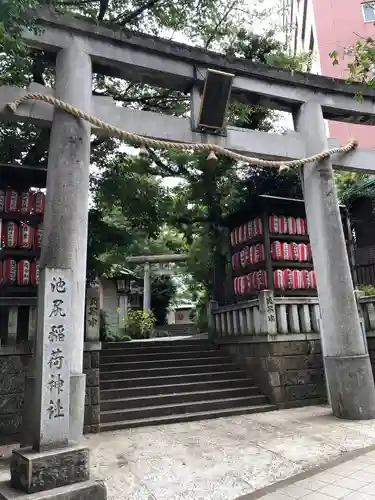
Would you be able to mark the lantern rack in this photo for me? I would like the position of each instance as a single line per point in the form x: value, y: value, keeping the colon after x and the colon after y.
x: 21, y: 179
x: 259, y: 262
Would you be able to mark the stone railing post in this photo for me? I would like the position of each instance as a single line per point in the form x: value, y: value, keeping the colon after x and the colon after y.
x: 212, y: 330
x: 92, y: 322
x: 267, y: 312
x: 358, y: 295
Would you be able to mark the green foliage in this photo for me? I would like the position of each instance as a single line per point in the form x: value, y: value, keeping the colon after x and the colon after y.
x: 139, y: 324
x: 163, y: 290
x: 368, y: 289
x: 199, y: 314
x: 133, y: 212
x: 361, y: 58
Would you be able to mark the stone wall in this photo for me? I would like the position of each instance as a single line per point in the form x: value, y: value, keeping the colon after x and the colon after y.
x: 290, y: 373
x: 13, y: 370
x: 14, y: 364
x: 91, y: 361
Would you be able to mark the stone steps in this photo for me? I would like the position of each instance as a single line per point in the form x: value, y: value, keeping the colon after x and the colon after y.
x: 187, y: 417
x: 156, y: 382
x: 190, y: 378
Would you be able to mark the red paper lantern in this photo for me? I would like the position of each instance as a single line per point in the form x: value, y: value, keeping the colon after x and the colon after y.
x: 296, y: 278
x: 26, y: 236
x: 305, y: 279
x: 2, y: 200
x: 23, y: 272
x: 38, y: 236
x: 286, y: 251
x: 294, y: 254
x: 232, y: 240
x: 11, y: 201
x: 39, y: 202
x: 250, y: 229
x: 242, y: 258
x: 278, y: 224
x: 9, y: 271
x: 276, y: 250
x: 34, y: 275
x: 288, y: 279
x: 257, y: 226
x: 235, y: 261
x: 240, y: 285
x: 259, y: 252
x: 26, y: 202
x: 241, y: 234
x: 309, y: 252
x: 10, y: 234
x: 274, y: 224
x: 301, y: 226
x: 313, y: 283
x: 262, y: 279
x: 249, y: 282
x: 302, y: 252
x: 278, y: 278
x: 292, y: 225
x: 283, y: 224
x: 247, y: 256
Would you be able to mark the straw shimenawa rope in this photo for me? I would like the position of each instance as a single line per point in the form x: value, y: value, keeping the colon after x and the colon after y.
x: 142, y: 141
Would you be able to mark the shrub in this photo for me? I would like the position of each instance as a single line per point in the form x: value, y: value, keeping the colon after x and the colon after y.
x: 139, y: 324
x: 368, y: 289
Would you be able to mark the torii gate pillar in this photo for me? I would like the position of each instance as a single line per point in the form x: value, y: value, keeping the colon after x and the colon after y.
x: 347, y: 363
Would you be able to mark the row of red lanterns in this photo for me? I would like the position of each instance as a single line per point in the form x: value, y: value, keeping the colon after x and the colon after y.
x: 22, y: 235
x: 298, y: 252
x: 22, y: 273
x: 248, y: 255
x: 278, y: 224
x: 26, y: 202
x: 284, y: 279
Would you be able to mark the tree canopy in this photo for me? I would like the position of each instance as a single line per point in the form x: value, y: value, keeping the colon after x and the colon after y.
x: 133, y: 210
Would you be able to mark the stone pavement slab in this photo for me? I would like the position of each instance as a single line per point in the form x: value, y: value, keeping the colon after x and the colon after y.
x: 351, y: 480
x: 227, y: 458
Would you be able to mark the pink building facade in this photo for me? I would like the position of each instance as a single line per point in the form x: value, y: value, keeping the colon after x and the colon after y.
x: 323, y: 26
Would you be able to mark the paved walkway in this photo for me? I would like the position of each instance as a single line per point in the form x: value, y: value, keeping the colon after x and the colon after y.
x: 223, y: 459
x: 352, y: 480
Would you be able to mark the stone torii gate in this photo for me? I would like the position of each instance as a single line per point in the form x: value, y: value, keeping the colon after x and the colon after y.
x: 147, y: 260
x: 81, y: 47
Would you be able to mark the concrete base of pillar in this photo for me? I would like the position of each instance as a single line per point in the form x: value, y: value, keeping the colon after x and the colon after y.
x: 77, y: 406
x: 351, y: 386
x: 32, y: 471
x: 88, y: 490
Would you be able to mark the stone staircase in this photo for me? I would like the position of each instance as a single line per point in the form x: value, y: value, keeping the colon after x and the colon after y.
x: 166, y: 381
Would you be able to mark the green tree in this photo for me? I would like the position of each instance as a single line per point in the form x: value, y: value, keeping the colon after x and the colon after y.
x: 163, y: 290
x: 132, y: 208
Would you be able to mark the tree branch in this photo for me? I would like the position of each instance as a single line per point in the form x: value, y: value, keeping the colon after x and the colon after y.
x: 76, y: 3
x: 225, y: 16
x: 183, y: 172
x: 130, y: 16
x: 39, y: 148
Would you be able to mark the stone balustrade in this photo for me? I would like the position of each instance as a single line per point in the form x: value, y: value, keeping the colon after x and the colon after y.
x: 277, y: 316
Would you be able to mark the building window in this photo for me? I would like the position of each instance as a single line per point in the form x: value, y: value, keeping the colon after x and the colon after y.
x: 369, y: 11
